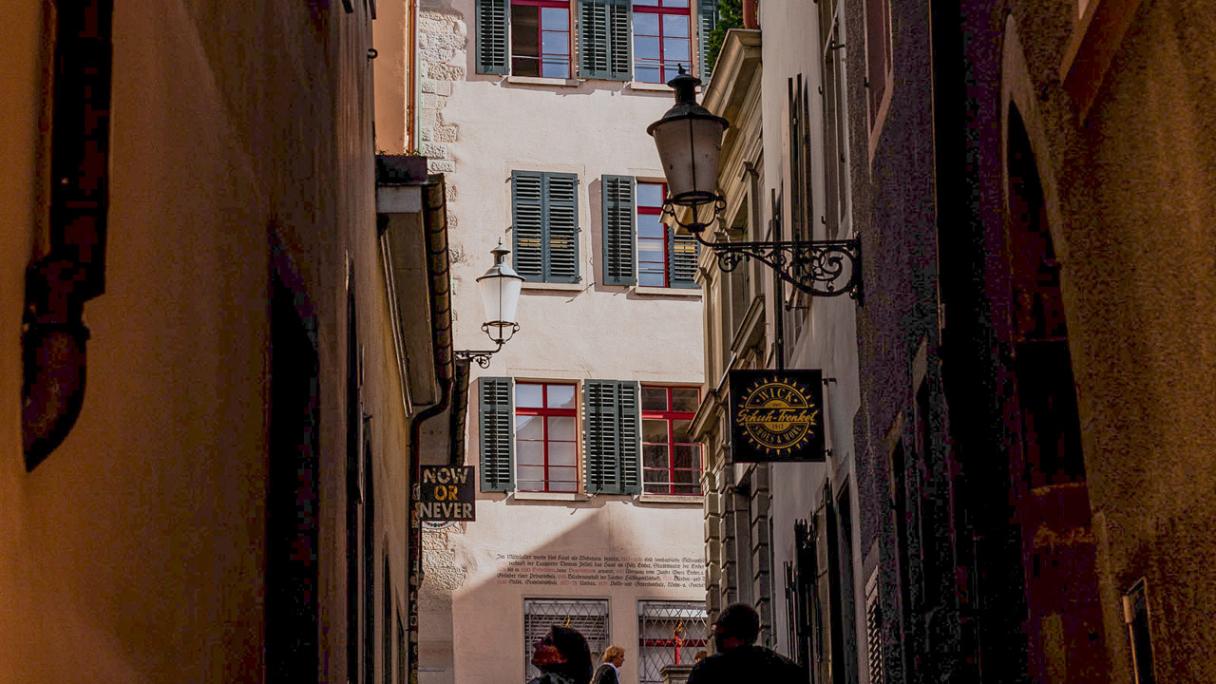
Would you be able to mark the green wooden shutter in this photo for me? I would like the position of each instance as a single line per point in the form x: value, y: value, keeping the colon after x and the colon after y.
x: 496, y: 426
x: 707, y: 20
x: 603, y: 39
x: 611, y: 437
x: 683, y: 251
x: 528, y: 224
x: 561, y: 227
x: 619, y: 225
x: 629, y: 436
x: 492, y: 18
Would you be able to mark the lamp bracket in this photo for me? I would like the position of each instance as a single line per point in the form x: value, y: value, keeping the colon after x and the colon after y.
x: 479, y: 356
x: 820, y: 268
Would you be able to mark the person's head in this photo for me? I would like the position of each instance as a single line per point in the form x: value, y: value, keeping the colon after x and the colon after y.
x: 563, y: 651
x: 737, y: 625
x: 615, y: 655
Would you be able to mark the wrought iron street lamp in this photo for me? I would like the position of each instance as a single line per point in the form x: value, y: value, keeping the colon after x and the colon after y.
x: 689, y: 140
x: 500, y: 287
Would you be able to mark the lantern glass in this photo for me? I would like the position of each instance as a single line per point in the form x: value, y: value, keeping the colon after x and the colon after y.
x: 500, y: 289
x: 689, y: 147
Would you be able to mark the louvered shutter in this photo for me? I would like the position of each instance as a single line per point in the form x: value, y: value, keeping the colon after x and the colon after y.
x: 561, y: 228
x: 707, y: 20
x: 603, y: 39
x: 683, y: 251
x: 629, y: 436
x: 611, y: 437
x: 492, y: 18
x: 619, y: 224
x: 528, y: 223
x: 497, y: 445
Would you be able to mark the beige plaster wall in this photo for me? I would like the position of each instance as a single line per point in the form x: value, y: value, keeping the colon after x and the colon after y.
x: 477, y: 129
x: 1136, y: 188
x: 134, y: 553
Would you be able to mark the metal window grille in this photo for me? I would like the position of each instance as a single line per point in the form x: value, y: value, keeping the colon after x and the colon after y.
x: 874, y: 654
x: 669, y: 632
x: 589, y: 617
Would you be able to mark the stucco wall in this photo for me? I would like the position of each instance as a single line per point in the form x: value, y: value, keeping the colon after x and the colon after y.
x: 134, y: 553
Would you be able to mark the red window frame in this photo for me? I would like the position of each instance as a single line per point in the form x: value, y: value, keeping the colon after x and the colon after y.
x: 545, y: 413
x: 540, y: 34
x: 666, y: 71
x: 648, y: 210
x: 670, y: 416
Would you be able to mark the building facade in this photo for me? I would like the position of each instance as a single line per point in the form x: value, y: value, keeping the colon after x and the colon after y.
x: 1021, y: 351
x: 588, y: 512
x: 192, y: 228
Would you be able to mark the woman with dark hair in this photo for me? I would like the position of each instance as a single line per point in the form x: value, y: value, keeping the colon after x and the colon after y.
x: 563, y: 657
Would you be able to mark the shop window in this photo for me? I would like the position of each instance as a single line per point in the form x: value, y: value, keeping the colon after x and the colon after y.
x: 669, y: 633
x: 589, y: 617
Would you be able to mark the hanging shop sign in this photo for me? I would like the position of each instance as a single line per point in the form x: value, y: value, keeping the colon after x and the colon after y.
x: 448, y: 494
x: 776, y: 416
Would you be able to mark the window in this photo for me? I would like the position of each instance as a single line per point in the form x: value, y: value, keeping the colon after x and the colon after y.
x: 835, y: 119
x: 1135, y: 614
x: 669, y: 632
x: 661, y: 39
x: 671, y: 461
x: 638, y: 248
x: 589, y: 617
x: 603, y: 39
x: 874, y: 649
x: 546, y: 439
x: 611, y: 429
x: 544, y: 217
x: 494, y: 426
x: 540, y: 38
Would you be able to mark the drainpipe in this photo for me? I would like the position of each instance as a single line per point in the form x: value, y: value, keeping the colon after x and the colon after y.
x: 435, y: 222
x: 751, y: 14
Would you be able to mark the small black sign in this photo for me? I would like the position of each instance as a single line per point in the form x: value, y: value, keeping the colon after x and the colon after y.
x: 448, y: 494
x: 776, y: 416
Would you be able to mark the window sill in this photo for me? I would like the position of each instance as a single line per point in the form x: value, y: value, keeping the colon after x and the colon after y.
x: 555, y: 287
x: 690, y: 292
x: 648, y: 87
x: 539, y: 81
x: 685, y: 499
x: 549, y: 496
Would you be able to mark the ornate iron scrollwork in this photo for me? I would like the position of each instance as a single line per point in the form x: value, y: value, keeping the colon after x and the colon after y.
x: 821, y: 268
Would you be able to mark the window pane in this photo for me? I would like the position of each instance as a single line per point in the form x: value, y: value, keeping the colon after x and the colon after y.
x: 563, y: 485
x: 689, y: 490
x: 530, y: 453
x: 645, y: 24
x: 646, y: 74
x: 655, y: 456
x: 525, y: 40
x: 652, y: 279
x: 562, y: 454
x: 656, y: 488
x: 534, y: 474
x: 687, y: 456
x: 555, y: 18
x: 654, y: 398
x: 654, y: 431
x: 561, y: 429
x: 675, y: 25
x: 646, y: 2
x: 686, y: 476
x: 675, y: 50
x: 682, y: 428
x: 646, y: 50
x: 528, y: 396
x: 650, y: 194
x: 650, y: 226
x: 555, y: 43
x: 556, y: 68
x: 685, y: 398
x: 675, y: 3
x: 528, y: 427
x: 561, y: 396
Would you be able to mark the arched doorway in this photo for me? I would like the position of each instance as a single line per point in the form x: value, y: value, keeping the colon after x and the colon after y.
x: 1063, y: 620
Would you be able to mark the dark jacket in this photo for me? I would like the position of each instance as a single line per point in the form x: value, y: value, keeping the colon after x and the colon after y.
x: 748, y: 665
x: 605, y: 674
x: 551, y: 678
